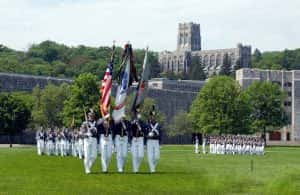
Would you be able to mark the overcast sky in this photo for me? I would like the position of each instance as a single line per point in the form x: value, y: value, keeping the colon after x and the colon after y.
x: 264, y: 24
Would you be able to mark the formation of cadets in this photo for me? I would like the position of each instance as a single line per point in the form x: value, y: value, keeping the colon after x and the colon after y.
x: 230, y: 144
x: 104, y: 137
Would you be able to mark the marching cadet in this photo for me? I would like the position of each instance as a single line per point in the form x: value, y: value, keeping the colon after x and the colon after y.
x: 153, y: 138
x: 138, y: 129
x: 40, y: 141
x: 90, y: 142
x: 63, y: 143
x: 195, y: 139
x: 74, y: 140
x: 105, y: 130
x: 81, y: 141
x: 50, y: 142
x: 120, y: 134
x: 204, y: 140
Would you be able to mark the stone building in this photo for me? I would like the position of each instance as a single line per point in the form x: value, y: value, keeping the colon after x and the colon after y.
x: 289, y: 81
x: 189, y: 45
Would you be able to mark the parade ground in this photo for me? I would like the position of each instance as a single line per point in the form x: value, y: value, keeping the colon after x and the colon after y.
x: 180, y: 171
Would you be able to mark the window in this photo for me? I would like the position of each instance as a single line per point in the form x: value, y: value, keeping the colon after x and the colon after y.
x: 212, y: 60
x: 287, y: 103
x: 219, y: 60
x: 288, y: 84
x: 289, y: 93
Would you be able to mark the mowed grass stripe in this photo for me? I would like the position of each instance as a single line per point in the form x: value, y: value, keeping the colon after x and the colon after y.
x: 22, y: 171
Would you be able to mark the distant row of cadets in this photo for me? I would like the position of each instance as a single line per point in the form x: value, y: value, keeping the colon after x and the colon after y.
x: 229, y: 144
x: 104, y: 136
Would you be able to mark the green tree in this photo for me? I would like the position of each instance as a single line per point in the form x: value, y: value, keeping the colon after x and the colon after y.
x: 49, y: 104
x: 220, y: 107
x: 84, y: 95
x: 266, y: 102
x: 196, y: 70
x: 14, y: 114
x: 180, y: 124
x: 145, y: 109
x: 226, y: 66
x: 257, y: 56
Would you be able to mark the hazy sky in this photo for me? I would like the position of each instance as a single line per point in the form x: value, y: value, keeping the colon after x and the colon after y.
x: 264, y: 24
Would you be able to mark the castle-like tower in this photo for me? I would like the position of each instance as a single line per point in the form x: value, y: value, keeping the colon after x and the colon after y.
x: 189, y: 46
x: 188, y: 38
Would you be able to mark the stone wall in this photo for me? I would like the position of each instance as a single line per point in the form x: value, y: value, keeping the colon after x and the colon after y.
x: 20, y: 82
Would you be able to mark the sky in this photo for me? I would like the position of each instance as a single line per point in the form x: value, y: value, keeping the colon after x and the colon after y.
x: 265, y: 24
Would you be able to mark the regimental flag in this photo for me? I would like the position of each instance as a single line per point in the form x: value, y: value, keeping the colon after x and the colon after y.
x: 140, y: 91
x: 106, y: 86
x: 120, y: 101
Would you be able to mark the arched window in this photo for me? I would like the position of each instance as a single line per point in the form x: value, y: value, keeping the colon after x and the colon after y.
x: 219, y: 60
x: 212, y: 61
x: 232, y: 58
x: 205, y: 61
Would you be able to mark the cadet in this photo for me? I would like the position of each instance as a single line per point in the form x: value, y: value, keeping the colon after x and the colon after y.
x: 138, y: 129
x: 90, y: 142
x: 105, y: 130
x: 63, y: 140
x: 81, y: 141
x: 153, y: 138
x: 120, y: 134
x: 40, y: 141
x: 204, y: 144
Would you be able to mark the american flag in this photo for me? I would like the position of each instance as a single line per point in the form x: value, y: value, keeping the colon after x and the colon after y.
x: 106, y: 86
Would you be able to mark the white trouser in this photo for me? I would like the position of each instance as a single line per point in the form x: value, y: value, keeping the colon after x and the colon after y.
x: 90, y: 153
x: 203, y: 148
x: 121, y: 147
x: 57, y: 147
x: 106, y: 151
x: 62, y: 147
x: 67, y: 147
x: 80, y: 148
x: 197, y: 147
x: 137, y: 150
x: 74, y: 149
x: 153, y: 153
x: 40, y: 146
x: 50, y: 146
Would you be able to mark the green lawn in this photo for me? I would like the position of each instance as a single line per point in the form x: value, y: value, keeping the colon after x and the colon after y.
x: 22, y: 171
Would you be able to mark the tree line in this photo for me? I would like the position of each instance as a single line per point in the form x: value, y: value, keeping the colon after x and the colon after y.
x: 57, y: 105
x: 49, y: 58
x: 223, y: 107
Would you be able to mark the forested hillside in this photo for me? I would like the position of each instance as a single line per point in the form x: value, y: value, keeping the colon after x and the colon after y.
x: 53, y: 59
x: 287, y: 59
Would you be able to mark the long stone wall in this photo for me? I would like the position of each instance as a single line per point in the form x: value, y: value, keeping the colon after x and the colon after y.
x: 19, y: 82
x: 170, y: 99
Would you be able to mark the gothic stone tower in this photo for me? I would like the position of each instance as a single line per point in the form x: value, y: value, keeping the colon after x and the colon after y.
x: 188, y: 38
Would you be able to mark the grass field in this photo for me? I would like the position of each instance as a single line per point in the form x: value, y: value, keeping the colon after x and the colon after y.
x: 22, y: 171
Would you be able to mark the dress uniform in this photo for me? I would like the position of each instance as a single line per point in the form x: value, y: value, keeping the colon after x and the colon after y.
x: 196, y: 142
x: 120, y: 134
x: 153, y: 138
x: 81, y: 141
x: 40, y: 141
x: 138, y: 129
x: 63, y: 142
x: 204, y: 144
x: 90, y: 142
x: 104, y: 127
